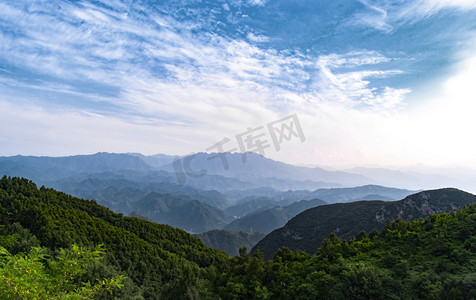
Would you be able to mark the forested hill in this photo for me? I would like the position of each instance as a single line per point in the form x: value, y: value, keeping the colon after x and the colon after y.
x: 432, y: 259
x: 307, y: 230
x: 157, y: 259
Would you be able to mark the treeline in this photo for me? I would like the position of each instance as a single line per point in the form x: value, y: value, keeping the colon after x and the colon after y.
x: 425, y: 259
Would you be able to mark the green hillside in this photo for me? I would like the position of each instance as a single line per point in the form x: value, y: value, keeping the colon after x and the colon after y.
x: 424, y: 259
x: 157, y: 259
x: 307, y: 230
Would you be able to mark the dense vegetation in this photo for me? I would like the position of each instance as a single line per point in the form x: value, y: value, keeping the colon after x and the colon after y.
x: 430, y: 259
x: 157, y: 259
x: 424, y: 259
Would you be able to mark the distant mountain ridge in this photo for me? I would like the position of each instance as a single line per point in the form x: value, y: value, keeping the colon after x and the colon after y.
x: 270, y: 199
x: 256, y: 171
x: 45, y: 168
x: 307, y: 230
x: 253, y: 167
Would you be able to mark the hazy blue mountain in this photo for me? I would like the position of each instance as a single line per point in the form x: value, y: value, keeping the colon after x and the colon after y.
x: 181, y: 211
x: 249, y: 203
x: 250, y: 206
x: 197, y: 217
x: 268, y: 220
x: 41, y: 169
x: 334, y: 195
x: 219, y: 183
x: 357, y: 193
x: 252, y: 174
x: 135, y: 167
x: 228, y: 241
x: 118, y: 191
x: 263, y: 171
x: 239, y: 195
x: 263, y: 221
x: 156, y: 160
x: 307, y: 230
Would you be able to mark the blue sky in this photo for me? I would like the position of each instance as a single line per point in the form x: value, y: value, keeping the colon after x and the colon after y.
x: 372, y: 82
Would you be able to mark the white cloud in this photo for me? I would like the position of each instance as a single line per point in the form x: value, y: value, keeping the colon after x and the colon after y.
x: 257, y: 2
x: 257, y: 38
x: 182, y: 91
x: 375, y: 17
x: 351, y: 88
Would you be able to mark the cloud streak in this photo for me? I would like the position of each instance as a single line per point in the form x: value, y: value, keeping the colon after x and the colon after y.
x: 171, y: 81
x: 140, y: 54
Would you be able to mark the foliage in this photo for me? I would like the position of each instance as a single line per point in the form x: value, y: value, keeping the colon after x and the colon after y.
x: 36, y: 275
x: 157, y: 259
x: 424, y: 259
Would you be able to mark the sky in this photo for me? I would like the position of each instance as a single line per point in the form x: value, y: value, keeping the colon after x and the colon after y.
x: 381, y: 83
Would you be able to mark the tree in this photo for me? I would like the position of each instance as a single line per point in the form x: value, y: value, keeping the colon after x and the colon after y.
x: 36, y: 275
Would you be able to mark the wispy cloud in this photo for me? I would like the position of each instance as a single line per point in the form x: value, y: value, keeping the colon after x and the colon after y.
x: 160, y: 79
x: 388, y: 15
x: 140, y: 53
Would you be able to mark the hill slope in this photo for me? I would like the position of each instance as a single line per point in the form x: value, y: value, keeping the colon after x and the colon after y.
x: 307, y: 230
x: 425, y: 259
x: 158, y: 259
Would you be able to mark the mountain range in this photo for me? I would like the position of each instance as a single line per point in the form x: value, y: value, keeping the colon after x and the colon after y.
x: 131, y: 182
x: 253, y: 172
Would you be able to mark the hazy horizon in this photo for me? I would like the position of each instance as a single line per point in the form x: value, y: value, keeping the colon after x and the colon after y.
x: 418, y: 167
